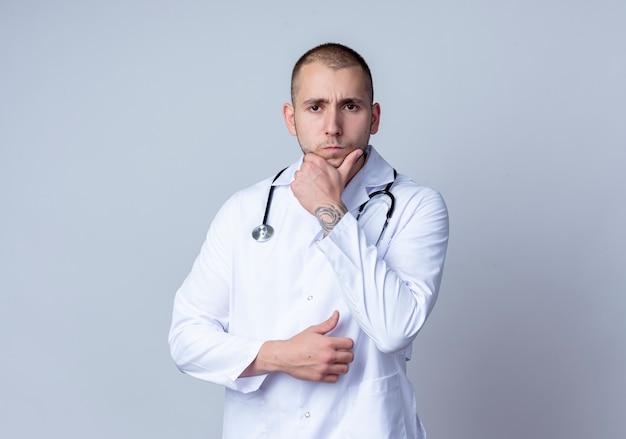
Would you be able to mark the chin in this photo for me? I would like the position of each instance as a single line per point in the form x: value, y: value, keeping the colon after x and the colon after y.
x: 335, y: 159
x: 335, y: 162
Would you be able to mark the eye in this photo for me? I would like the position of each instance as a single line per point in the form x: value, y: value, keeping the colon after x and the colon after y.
x: 352, y: 107
x: 315, y: 108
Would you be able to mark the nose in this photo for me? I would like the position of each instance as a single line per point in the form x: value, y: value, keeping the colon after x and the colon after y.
x: 332, y: 123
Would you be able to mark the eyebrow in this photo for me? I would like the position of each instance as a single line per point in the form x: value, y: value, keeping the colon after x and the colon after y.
x: 317, y: 101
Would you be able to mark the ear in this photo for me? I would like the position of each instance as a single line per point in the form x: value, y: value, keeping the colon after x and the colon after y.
x: 290, y: 118
x: 375, y: 118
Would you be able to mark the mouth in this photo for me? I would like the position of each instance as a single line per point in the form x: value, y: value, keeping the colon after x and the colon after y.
x: 333, y: 148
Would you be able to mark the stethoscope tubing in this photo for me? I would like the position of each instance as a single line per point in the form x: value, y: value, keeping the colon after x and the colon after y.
x: 264, y: 231
x: 386, y: 191
x: 270, y: 195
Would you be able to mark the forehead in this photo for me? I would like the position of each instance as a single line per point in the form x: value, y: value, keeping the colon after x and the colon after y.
x: 317, y: 80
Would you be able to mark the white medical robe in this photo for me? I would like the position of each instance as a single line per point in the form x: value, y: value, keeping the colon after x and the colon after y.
x: 241, y: 292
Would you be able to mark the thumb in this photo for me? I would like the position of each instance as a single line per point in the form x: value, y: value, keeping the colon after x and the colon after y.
x: 327, y: 325
x: 349, y: 162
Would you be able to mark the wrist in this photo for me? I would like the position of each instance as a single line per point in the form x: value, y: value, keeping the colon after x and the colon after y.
x: 329, y: 216
x: 263, y: 362
x: 268, y: 358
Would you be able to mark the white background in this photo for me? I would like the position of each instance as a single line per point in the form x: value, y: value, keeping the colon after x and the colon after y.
x: 125, y: 124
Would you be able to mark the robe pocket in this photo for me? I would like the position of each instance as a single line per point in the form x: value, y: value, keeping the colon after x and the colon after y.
x: 375, y: 409
x: 244, y: 416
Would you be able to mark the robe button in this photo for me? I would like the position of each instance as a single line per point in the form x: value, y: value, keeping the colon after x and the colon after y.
x: 309, y: 298
x: 307, y: 415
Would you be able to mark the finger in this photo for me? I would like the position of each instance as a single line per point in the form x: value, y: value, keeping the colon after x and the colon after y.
x: 327, y: 325
x: 342, y: 344
x: 344, y: 358
x: 348, y: 162
x: 338, y: 369
x: 333, y: 373
x: 331, y: 379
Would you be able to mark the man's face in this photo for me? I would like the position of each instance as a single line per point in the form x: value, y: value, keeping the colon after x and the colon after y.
x: 332, y: 114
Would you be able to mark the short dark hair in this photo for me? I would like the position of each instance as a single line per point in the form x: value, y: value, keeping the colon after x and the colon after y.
x: 336, y: 56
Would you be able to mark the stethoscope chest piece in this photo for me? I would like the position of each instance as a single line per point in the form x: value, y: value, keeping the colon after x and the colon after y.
x: 262, y: 233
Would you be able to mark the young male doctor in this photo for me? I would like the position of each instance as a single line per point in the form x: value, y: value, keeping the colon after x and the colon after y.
x: 308, y: 320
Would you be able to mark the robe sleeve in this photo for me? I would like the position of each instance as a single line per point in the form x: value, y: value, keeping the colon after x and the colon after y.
x: 391, y: 289
x: 199, y: 340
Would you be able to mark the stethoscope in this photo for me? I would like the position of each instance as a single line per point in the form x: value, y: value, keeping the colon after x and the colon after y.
x: 264, y: 231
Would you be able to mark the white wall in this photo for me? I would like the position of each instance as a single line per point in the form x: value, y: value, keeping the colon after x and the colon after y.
x: 125, y: 124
